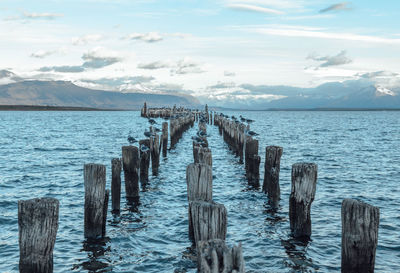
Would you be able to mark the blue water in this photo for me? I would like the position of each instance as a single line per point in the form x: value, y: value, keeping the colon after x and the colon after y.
x: 358, y: 156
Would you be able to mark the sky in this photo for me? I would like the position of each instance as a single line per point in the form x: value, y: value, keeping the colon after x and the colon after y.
x: 199, y: 47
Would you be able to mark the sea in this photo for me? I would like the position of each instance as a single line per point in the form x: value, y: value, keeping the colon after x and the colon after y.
x: 42, y: 154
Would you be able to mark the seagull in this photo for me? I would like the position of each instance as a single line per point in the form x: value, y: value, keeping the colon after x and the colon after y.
x: 144, y: 148
x: 147, y: 134
x: 152, y: 121
x: 251, y: 133
x: 131, y: 139
x: 249, y: 121
x: 201, y: 134
x: 157, y: 130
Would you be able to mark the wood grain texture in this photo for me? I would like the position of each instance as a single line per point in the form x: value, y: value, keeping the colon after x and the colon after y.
x: 38, y: 225
x: 214, y: 256
x: 116, y: 167
x: 130, y: 163
x: 271, y: 174
x: 304, y: 183
x: 144, y: 160
x: 164, y: 138
x: 360, y: 223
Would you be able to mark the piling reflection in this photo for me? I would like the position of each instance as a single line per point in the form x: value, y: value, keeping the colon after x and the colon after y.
x: 296, y: 250
x: 96, y: 250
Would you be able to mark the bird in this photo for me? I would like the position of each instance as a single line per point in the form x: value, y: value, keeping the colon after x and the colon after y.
x: 144, y: 148
x: 131, y: 139
x: 251, y: 133
x: 201, y: 134
x: 242, y: 119
x: 249, y: 121
x: 157, y: 130
x: 152, y: 121
x: 147, y: 134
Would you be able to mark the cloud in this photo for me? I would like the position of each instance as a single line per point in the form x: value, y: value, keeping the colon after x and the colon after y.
x: 377, y: 74
x: 42, y: 53
x: 254, y: 8
x: 83, y: 40
x: 336, y: 7
x: 327, y: 61
x: 34, y: 16
x: 229, y: 74
x: 99, y: 57
x: 222, y: 85
x: 186, y: 66
x: 309, y: 32
x: 153, y: 65
x: 150, y: 37
x: 94, y: 59
x: 63, y: 69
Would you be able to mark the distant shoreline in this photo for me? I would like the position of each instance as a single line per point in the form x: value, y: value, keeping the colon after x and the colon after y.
x: 54, y: 108
x: 218, y: 109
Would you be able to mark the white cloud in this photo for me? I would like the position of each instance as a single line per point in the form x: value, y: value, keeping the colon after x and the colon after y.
x: 45, y: 15
x: 150, y: 37
x: 83, y: 40
x: 254, y: 8
x: 154, y: 65
x: 327, y: 61
x: 229, y: 74
x: 40, y: 54
x: 337, y: 7
x: 297, y: 31
x: 187, y: 66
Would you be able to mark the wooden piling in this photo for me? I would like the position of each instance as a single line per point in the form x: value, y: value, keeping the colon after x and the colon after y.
x: 105, y: 209
x: 95, y: 190
x: 209, y: 220
x: 360, y: 223
x: 252, y: 161
x: 164, y: 138
x: 202, y: 154
x: 116, y: 167
x: 155, y: 153
x: 131, y: 160
x: 38, y: 225
x: 214, y: 256
x: 144, y: 160
x: 199, y: 182
x: 304, y: 182
x: 271, y: 174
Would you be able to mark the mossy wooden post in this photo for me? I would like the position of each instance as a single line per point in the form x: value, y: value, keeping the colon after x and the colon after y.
x: 155, y: 153
x: 209, y: 220
x: 144, y: 146
x: 116, y: 167
x: 304, y: 183
x: 271, y: 174
x: 214, y: 256
x: 95, y: 196
x: 164, y: 138
x: 130, y: 163
x: 37, y: 227
x: 360, y: 223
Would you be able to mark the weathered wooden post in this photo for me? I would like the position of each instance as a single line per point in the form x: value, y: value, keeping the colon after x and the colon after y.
x: 209, y: 220
x: 164, y: 138
x: 105, y: 209
x: 272, y: 168
x: 144, y: 146
x: 214, y: 256
x: 202, y: 154
x: 116, y: 167
x: 95, y: 197
x: 252, y: 161
x: 155, y: 153
x: 38, y: 225
x: 304, y: 183
x: 130, y: 160
x: 360, y: 223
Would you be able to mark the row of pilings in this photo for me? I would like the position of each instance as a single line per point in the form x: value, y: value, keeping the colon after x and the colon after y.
x: 38, y: 218
x: 360, y: 221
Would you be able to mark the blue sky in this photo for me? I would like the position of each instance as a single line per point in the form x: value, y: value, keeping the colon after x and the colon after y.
x: 199, y: 46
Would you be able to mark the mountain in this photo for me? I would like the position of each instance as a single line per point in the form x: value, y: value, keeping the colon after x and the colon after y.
x: 348, y: 94
x: 62, y: 93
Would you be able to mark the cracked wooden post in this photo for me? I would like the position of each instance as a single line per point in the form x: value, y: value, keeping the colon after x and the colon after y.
x: 164, y: 138
x: 116, y: 167
x: 202, y: 154
x: 360, y: 223
x: 155, y: 153
x: 199, y: 187
x: 304, y: 183
x: 214, y: 256
x: 209, y: 220
x: 271, y: 174
x: 95, y: 197
x: 130, y: 163
x: 144, y: 146
x: 37, y: 227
